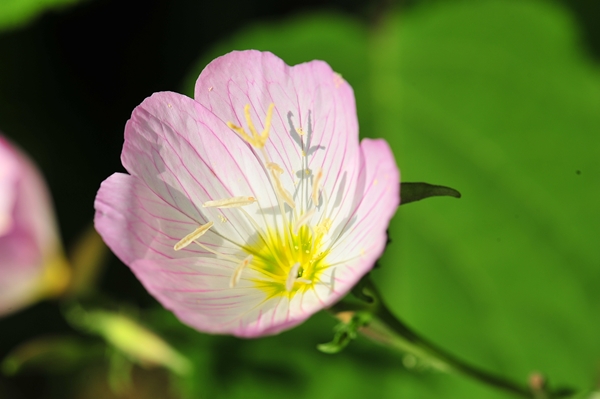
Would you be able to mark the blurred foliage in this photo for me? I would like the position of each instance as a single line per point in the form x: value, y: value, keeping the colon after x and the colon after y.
x: 52, y: 354
x: 14, y: 13
x: 132, y: 341
x: 494, y: 98
x: 87, y: 258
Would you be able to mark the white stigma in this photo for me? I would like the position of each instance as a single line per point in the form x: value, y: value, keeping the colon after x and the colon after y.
x: 292, y: 276
x: 193, y: 236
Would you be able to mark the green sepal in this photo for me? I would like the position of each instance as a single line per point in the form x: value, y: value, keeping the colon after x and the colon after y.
x: 359, y: 290
x: 411, y: 192
x: 345, y: 332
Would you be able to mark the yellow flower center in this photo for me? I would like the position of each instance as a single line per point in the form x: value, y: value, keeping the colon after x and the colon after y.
x: 288, y: 263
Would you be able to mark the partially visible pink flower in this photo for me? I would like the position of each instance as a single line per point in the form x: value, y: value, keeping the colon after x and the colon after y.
x: 252, y: 206
x: 32, y: 265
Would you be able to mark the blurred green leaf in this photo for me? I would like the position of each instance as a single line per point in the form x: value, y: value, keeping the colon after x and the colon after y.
x: 51, y: 354
x: 130, y: 338
x: 87, y: 258
x: 119, y: 373
x: 14, y: 13
x: 495, y: 97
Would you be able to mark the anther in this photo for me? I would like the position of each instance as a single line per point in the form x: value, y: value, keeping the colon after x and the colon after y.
x: 239, y: 130
x: 237, y: 273
x: 304, y: 219
x: 292, y: 276
x: 282, y: 192
x: 193, y: 236
x: 233, y: 202
x: 323, y: 227
x: 315, y: 187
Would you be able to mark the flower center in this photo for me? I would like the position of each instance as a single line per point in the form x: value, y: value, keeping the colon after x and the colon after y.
x: 285, y: 260
x: 288, y: 263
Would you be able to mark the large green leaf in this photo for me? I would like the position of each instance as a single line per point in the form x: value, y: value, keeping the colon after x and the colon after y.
x: 494, y: 99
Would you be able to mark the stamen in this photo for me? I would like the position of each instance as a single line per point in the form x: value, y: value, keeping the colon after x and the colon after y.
x: 237, y: 273
x: 315, y: 188
x: 304, y: 219
x: 233, y: 202
x: 273, y: 167
x: 239, y: 130
x: 219, y: 254
x: 282, y: 192
x: 187, y: 240
x: 292, y: 276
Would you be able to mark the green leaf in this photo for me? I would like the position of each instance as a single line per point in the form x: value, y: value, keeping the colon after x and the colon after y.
x: 14, y: 13
x: 495, y: 97
x: 411, y: 192
x: 359, y: 290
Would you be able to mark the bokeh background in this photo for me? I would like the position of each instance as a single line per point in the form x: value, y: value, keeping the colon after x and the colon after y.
x: 497, y: 98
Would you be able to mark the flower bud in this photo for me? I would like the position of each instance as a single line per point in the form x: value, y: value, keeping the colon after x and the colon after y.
x: 32, y: 264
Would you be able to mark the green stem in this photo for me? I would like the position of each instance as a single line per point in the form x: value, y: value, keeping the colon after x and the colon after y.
x: 440, y: 358
x: 385, y: 328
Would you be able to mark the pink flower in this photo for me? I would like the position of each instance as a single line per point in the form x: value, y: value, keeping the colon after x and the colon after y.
x: 252, y: 206
x: 32, y: 265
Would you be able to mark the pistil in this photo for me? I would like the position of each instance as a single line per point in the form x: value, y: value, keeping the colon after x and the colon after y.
x: 292, y: 276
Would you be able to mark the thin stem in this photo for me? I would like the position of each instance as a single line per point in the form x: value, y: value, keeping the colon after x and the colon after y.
x: 387, y: 329
x: 447, y: 360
